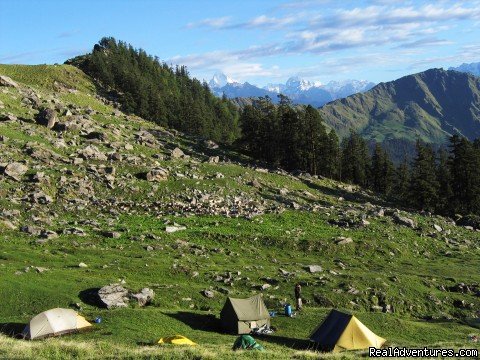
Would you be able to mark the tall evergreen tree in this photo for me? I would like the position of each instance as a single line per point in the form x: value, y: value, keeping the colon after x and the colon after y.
x: 355, y: 160
x: 423, y: 184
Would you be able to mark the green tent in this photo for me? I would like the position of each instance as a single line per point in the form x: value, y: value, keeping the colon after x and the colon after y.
x: 246, y: 342
x: 241, y: 316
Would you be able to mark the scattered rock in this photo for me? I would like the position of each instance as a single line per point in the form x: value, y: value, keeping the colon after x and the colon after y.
x: 174, y: 228
x: 402, y: 220
x: 47, y: 117
x: 208, y: 294
x: 113, y: 296
x: 144, y: 297
x: 6, y: 81
x: 341, y: 240
x: 112, y: 234
x: 157, y: 174
x: 82, y: 265
x: 437, y: 227
x: 15, y: 170
x: 314, y: 269
x: 177, y: 153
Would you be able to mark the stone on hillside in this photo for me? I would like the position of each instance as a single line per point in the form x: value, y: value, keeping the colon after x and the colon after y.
x: 7, y: 224
x: 8, y: 117
x: 48, y: 234
x: 283, y: 192
x: 93, y: 153
x: 177, y: 153
x: 264, y: 287
x: 157, y: 174
x: 255, y: 184
x: 15, y: 170
x: 47, y: 117
x: 214, y: 159
x: 437, y: 227
x: 402, y: 220
x: 96, y: 135
x: 6, y: 81
x: 82, y: 265
x: 40, y: 269
x: 210, y: 144
x: 322, y: 301
x: 39, y: 197
x: 113, y: 296
x: 341, y: 240
x: 208, y: 294
x: 112, y: 234
x: 144, y: 297
x: 128, y: 147
x: 314, y: 269
x: 174, y: 228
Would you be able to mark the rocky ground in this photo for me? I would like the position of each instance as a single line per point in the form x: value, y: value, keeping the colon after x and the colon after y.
x: 90, y: 197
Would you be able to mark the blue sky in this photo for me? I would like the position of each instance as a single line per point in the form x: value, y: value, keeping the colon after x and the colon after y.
x: 257, y: 41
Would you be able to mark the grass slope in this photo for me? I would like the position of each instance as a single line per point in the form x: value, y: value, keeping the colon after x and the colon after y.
x: 415, y: 271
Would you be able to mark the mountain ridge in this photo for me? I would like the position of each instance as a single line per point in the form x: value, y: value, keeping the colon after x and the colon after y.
x: 429, y: 106
x: 300, y: 91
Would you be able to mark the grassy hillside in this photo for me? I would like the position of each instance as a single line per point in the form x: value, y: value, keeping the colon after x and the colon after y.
x: 85, y: 199
x: 429, y: 106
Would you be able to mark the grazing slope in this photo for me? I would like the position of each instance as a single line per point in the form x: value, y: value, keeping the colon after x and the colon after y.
x: 82, y: 196
x: 429, y: 106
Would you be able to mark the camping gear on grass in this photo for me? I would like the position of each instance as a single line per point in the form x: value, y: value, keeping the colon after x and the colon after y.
x: 340, y: 331
x: 54, y: 322
x: 263, y: 330
x: 241, y: 316
x: 246, y: 342
x: 176, y: 340
x: 288, y: 310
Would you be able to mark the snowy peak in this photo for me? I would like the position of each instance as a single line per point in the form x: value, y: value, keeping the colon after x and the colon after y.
x: 300, y: 91
x: 473, y: 68
x: 220, y: 80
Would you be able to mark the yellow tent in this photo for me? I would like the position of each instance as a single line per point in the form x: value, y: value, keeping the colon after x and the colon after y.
x: 341, y: 331
x: 176, y: 340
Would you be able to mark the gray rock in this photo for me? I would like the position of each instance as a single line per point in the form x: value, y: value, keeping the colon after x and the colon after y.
x: 213, y: 159
x: 208, y: 294
x: 157, y: 174
x: 314, y: 269
x: 15, y: 170
x: 402, y: 220
x: 437, y: 227
x: 6, y: 81
x: 174, y: 228
x: 144, y: 297
x: 177, y: 153
x: 113, y: 296
x: 112, y: 234
x: 47, y: 117
x: 341, y: 240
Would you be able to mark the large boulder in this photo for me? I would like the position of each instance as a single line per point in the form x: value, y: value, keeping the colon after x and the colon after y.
x: 15, y: 170
x: 113, y: 296
x: 144, y: 297
x: 6, y: 81
x: 47, y: 117
x: 93, y: 153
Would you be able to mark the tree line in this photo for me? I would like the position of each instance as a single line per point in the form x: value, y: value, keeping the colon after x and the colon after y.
x: 158, y: 92
x: 446, y: 181
x: 292, y: 137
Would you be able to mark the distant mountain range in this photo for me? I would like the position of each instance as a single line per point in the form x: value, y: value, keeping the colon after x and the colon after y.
x: 300, y: 91
x: 472, y: 68
x: 429, y: 106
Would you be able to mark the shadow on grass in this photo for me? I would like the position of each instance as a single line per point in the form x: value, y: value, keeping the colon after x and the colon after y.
x: 90, y: 297
x: 204, y: 322
x: 292, y: 343
x: 12, y: 329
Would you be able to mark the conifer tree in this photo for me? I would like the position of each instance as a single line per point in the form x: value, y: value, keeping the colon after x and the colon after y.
x: 423, y: 183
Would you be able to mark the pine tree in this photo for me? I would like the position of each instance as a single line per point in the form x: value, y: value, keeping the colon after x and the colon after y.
x: 423, y: 184
x: 444, y: 179
x: 355, y: 160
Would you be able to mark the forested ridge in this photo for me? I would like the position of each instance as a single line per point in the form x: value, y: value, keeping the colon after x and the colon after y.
x: 295, y: 138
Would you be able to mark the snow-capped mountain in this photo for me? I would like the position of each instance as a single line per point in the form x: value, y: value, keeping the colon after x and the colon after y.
x: 220, y: 80
x: 300, y: 91
x: 473, y: 68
